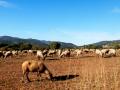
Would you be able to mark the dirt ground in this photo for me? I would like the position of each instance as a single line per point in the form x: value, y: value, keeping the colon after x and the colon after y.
x: 83, y: 73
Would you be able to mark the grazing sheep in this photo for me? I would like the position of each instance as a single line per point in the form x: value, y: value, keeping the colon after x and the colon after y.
x: 78, y: 52
x: 45, y: 52
x: 86, y: 51
x: 59, y: 51
x: 98, y: 53
x: 92, y: 50
x: 24, y: 52
x: 1, y: 54
x: 8, y: 54
x: 104, y: 52
x: 15, y: 53
x: 41, y: 55
x: 51, y: 52
x: 32, y: 52
x: 35, y: 66
x: 65, y: 53
x: 111, y: 52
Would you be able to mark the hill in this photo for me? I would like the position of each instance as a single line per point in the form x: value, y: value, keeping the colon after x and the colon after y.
x: 42, y: 43
x: 104, y: 44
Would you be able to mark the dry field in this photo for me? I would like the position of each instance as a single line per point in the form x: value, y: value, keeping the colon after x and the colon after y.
x: 83, y: 73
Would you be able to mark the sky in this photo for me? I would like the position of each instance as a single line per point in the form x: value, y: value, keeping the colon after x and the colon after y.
x: 76, y: 21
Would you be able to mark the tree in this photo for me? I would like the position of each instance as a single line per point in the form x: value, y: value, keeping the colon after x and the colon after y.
x: 13, y: 47
x: 25, y: 46
x: 92, y: 46
x: 3, y: 45
x: 117, y: 46
x: 54, y: 45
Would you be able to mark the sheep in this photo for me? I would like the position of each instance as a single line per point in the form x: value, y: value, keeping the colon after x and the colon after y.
x: 32, y: 52
x: 51, y: 52
x: 104, y: 52
x: 7, y: 54
x: 92, y: 50
x: 1, y: 54
x: 78, y: 52
x: 59, y: 51
x: 41, y: 55
x: 45, y: 52
x: 15, y: 53
x: 111, y: 52
x: 35, y: 66
x: 65, y: 53
x: 24, y: 52
x: 98, y: 53
x: 86, y: 51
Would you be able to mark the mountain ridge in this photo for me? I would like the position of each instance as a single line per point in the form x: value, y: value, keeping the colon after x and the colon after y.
x: 43, y: 43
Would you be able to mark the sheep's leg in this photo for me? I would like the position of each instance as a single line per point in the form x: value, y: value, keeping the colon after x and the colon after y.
x: 39, y: 76
x: 47, y: 74
x: 23, y: 76
x: 38, y: 57
x: 5, y: 57
x: 27, y: 76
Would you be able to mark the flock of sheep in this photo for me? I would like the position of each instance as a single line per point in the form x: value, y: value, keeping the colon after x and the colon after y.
x: 42, y: 54
x: 39, y: 66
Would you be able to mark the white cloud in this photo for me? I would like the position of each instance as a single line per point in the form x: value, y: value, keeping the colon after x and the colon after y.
x: 5, y: 4
x: 116, y: 10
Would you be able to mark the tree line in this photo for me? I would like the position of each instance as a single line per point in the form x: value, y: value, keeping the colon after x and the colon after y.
x: 28, y: 46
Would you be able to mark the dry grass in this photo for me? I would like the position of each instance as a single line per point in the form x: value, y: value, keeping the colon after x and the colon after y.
x: 93, y: 74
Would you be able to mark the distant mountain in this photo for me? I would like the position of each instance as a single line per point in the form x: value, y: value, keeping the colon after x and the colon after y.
x: 63, y: 44
x: 42, y: 43
x: 103, y: 44
x: 106, y: 42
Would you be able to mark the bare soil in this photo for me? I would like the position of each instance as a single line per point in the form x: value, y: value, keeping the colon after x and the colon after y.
x: 83, y: 73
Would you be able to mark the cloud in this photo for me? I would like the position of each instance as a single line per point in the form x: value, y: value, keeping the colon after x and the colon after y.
x: 116, y: 10
x: 5, y: 4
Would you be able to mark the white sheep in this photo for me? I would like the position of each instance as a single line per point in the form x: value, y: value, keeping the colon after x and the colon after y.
x: 8, y: 54
x: 40, y: 55
x: 51, y: 52
x: 78, y: 52
x: 98, y: 53
x: 112, y: 52
x: 65, y: 53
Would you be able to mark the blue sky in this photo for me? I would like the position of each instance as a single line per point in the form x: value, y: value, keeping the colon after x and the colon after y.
x: 76, y: 21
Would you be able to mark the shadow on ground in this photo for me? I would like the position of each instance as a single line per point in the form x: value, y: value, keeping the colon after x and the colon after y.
x: 63, y: 78
x: 52, y: 59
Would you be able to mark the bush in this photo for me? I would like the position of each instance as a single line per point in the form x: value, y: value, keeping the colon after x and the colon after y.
x: 54, y: 45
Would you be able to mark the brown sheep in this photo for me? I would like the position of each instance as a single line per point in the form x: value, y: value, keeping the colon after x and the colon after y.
x: 35, y: 66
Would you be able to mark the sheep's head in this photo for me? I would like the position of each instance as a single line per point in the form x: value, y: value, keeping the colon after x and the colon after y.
x: 49, y: 75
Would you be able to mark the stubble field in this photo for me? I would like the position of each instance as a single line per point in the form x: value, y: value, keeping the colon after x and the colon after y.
x: 83, y: 73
